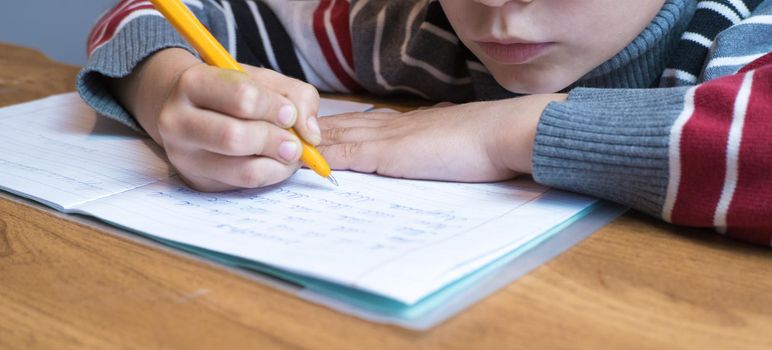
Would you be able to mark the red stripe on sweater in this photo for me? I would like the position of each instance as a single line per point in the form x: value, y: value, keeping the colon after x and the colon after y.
x: 320, y: 31
x: 98, y: 29
x: 762, y: 61
x: 703, y: 152
x: 750, y: 213
x: 108, y: 26
x: 341, y: 26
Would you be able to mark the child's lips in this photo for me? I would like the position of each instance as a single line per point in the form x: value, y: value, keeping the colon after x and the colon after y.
x: 513, y: 52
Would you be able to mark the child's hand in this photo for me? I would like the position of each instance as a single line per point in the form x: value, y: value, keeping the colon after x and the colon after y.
x: 474, y: 142
x: 224, y: 129
x: 221, y: 129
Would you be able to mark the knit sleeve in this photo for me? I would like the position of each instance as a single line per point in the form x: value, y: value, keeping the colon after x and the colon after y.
x: 124, y: 36
x: 697, y: 156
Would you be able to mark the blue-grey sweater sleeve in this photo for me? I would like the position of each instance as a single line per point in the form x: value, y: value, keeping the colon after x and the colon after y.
x: 609, y: 143
x: 136, y: 38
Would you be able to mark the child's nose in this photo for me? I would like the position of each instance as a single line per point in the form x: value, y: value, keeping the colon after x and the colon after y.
x: 499, y: 3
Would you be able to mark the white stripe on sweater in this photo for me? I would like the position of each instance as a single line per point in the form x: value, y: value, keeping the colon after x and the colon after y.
x: 758, y: 20
x: 132, y: 16
x: 425, y: 66
x: 721, y: 9
x: 315, y: 79
x: 267, y: 46
x: 231, y: 24
x: 330, y: 31
x: 739, y: 5
x: 442, y: 33
x: 732, y: 61
x: 733, y: 153
x: 356, y: 8
x: 474, y: 65
x: 295, y: 17
x: 377, y: 42
x: 697, y: 38
x: 675, y: 154
x: 195, y: 3
x: 104, y: 23
x: 679, y: 74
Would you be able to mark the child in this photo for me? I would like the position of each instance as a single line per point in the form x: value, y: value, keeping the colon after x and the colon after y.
x: 695, y: 152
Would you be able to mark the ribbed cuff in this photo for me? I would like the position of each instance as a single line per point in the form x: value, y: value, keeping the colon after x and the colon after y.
x: 116, y: 59
x: 609, y: 143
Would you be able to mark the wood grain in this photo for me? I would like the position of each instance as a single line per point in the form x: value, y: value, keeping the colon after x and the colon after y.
x: 636, y: 284
x: 26, y: 74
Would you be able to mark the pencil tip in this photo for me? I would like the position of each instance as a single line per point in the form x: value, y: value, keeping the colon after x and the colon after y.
x: 332, y: 179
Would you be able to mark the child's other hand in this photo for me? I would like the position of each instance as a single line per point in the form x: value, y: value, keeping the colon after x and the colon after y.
x: 225, y: 129
x: 473, y: 142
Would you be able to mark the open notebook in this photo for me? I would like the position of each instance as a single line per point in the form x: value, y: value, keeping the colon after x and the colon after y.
x: 391, y: 250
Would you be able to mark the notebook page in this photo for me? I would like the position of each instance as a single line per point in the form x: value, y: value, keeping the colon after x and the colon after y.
x: 59, y: 152
x: 396, y: 238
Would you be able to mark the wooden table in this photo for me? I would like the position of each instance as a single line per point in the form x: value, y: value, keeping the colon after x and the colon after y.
x: 637, y: 283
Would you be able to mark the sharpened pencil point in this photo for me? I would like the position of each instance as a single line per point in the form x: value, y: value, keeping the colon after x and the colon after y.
x: 332, y: 179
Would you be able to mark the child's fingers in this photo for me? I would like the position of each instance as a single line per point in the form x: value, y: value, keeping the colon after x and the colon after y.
x: 221, y: 134
x: 235, y: 94
x: 332, y: 136
x: 362, y: 157
x: 375, y: 115
x: 355, y: 120
x: 237, y: 172
x: 362, y: 128
x: 304, y: 96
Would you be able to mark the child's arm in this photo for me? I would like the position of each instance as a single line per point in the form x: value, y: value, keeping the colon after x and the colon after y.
x: 697, y: 156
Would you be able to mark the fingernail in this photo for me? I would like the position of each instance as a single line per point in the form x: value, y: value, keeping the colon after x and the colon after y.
x: 316, y: 135
x: 288, y: 150
x: 287, y: 115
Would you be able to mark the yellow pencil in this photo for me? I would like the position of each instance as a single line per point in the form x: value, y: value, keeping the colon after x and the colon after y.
x: 214, y: 54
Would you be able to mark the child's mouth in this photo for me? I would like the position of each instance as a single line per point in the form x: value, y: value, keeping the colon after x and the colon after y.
x: 513, y: 53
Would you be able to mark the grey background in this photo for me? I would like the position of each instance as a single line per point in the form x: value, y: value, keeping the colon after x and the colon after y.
x: 58, y: 28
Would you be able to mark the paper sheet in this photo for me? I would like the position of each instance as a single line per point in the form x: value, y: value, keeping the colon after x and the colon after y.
x: 58, y: 151
x: 395, y: 238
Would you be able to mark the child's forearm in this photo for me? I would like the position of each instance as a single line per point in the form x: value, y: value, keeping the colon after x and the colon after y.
x: 143, y: 92
x: 512, y: 145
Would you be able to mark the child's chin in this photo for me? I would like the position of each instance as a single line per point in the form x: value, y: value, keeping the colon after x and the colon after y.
x: 536, y: 85
x: 531, y: 89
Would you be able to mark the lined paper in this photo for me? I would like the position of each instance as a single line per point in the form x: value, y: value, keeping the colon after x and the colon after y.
x: 58, y: 151
x: 400, y: 239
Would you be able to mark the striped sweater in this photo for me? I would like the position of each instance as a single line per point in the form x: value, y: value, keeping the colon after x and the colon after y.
x: 696, y: 152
